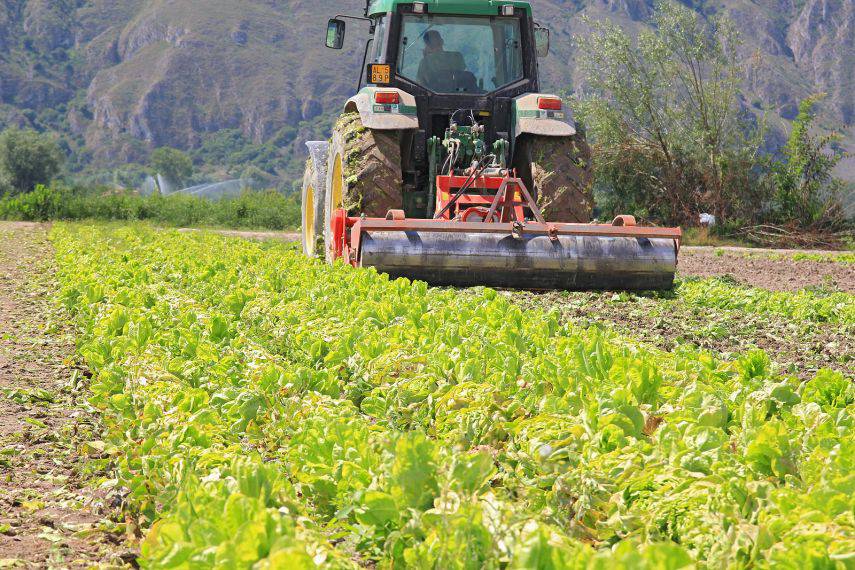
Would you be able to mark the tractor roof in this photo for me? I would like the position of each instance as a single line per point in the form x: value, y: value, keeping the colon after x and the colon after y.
x: 463, y: 7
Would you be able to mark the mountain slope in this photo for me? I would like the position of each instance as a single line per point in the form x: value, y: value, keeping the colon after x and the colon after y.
x: 120, y: 77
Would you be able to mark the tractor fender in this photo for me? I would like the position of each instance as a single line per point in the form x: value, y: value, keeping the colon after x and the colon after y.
x: 530, y: 119
x: 384, y: 117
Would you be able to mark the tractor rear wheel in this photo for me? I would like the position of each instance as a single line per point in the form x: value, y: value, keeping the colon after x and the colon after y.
x: 559, y: 171
x: 312, y: 205
x: 363, y: 172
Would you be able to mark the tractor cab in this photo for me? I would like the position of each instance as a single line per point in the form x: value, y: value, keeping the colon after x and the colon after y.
x: 452, y: 55
x: 431, y: 48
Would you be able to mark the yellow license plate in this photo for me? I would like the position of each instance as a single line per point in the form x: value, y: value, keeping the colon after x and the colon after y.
x: 380, y: 74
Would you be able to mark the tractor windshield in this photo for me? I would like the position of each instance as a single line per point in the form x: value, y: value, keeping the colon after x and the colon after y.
x: 460, y: 54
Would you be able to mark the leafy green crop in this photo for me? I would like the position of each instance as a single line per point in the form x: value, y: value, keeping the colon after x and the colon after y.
x: 269, y: 411
x: 806, y: 305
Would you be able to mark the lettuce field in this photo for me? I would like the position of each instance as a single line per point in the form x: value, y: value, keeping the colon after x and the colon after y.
x: 262, y: 410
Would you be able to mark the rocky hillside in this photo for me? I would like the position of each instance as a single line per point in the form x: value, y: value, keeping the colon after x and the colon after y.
x: 120, y: 77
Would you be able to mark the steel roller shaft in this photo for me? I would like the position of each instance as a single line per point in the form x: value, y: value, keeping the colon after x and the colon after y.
x: 530, y: 261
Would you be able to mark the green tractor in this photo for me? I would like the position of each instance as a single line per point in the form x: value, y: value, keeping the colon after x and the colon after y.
x: 449, y: 121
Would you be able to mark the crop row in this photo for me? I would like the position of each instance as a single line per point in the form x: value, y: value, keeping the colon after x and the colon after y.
x: 264, y: 408
x: 805, y: 305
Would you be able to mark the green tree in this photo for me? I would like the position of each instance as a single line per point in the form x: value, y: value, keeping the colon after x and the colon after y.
x: 806, y: 193
x: 173, y: 164
x: 663, y: 113
x: 27, y: 159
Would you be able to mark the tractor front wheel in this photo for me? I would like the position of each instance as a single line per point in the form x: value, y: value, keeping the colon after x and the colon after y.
x: 559, y: 171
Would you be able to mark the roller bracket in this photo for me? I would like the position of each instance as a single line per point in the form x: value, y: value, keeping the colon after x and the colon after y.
x: 624, y: 221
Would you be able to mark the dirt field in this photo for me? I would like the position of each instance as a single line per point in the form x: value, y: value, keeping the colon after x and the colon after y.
x: 768, y: 269
x: 49, y: 514
x: 670, y: 323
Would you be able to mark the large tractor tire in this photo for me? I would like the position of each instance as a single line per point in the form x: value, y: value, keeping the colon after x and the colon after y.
x: 560, y: 172
x: 363, y: 172
x: 312, y: 200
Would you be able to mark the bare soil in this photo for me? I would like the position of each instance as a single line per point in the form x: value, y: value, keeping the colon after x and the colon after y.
x: 757, y: 250
x: 776, y: 271
x: 50, y: 514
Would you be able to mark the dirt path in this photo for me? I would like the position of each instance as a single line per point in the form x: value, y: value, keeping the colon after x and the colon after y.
x: 261, y: 236
x: 49, y: 517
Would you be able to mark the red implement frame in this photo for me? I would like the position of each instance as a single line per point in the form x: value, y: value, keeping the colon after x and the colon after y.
x: 506, y: 204
x: 447, y: 187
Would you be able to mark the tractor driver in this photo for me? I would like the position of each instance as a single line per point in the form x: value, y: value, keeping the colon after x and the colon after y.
x: 439, y: 68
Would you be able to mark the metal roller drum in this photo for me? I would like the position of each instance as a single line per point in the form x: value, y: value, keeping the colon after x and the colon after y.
x: 530, y: 262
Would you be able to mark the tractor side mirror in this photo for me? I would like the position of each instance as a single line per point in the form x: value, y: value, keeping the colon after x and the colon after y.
x: 335, y: 33
x: 541, y: 41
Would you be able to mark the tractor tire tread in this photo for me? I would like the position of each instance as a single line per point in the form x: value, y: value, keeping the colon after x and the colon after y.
x: 559, y: 170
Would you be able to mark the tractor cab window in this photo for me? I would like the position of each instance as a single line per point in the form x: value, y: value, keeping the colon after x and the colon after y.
x: 460, y: 54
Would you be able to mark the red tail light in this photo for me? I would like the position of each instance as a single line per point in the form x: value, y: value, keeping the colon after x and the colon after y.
x: 549, y: 103
x: 387, y: 98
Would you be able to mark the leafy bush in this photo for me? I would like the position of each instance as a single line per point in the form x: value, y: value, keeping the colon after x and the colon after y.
x: 27, y: 159
x: 172, y: 164
x: 672, y: 139
x: 664, y: 114
x: 806, y: 193
x: 251, y: 210
x: 41, y: 204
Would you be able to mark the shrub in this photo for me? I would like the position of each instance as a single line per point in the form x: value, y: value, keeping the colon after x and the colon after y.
x: 173, y: 164
x: 39, y: 205
x: 663, y: 113
x: 806, y: 193
x: 27, y: 159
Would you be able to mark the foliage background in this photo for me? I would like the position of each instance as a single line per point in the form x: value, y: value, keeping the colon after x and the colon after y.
x: 251, y: 210
x: 237, y: 83
x: 672, y: 142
